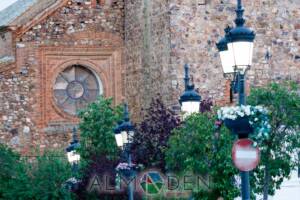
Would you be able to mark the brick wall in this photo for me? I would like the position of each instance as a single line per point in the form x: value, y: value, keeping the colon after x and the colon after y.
x: 76, y: 33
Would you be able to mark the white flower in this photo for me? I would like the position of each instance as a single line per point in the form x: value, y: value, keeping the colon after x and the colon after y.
x: 240, y: 111
x: 259, y: 108
x: 259, y: 134
x: 247, y: 110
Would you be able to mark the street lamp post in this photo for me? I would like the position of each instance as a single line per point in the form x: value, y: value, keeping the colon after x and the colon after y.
x: 124, y: 133
x: 236, y: 52
x: 73, y: 157
x: 190, y: 99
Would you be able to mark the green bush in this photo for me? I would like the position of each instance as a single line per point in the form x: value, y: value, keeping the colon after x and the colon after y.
x: 40, y: 178
x: 96, y: 125
x: 283, y: 102
x: 9, y: 161
x: 99, y: 152
x: 197, y: 147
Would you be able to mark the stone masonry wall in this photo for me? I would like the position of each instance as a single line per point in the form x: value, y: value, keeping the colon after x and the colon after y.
x: 191, y: 29
x: 17, y: 104
x: 147, y: 40
x: 196, y: 27
x: 6, y: 49
x: 78, y: 16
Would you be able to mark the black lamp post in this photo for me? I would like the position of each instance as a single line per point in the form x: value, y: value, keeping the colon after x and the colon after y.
x: 236, y: 52
x: 124, y: 133
x: 73, y: 158
x: 190, y: 99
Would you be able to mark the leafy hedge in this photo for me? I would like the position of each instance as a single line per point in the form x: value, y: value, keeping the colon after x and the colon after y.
x: 198, y: 147
x: 40, y: 178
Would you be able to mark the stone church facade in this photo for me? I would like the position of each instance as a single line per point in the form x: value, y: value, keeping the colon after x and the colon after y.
x: 58, y: 55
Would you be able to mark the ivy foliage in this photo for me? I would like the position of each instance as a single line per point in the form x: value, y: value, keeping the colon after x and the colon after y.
x: 277, y: 150
x: 151, y: 137
x: 96, y: 126
x: 40, y: 178
x: 198, y: 147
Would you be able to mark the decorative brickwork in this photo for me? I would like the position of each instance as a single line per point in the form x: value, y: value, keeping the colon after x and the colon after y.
x: 74, y: 34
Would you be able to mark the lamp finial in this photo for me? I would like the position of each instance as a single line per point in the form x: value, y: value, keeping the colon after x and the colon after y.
x: 187, y: 76
x: 74, y: 134
x: 126, y: 112
x: 239, y: 21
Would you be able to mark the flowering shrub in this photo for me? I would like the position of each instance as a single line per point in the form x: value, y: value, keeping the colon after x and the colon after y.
x: 258, y: 117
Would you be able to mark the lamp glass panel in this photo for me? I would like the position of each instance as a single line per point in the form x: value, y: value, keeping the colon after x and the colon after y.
x: 73, y: 157
x: 124, y: 137
x: 119, y: 139
x: 251, y: 53
x: 227, y: 61
x: 242, y: 53
x: 190, y: 107
x: 130, y: 136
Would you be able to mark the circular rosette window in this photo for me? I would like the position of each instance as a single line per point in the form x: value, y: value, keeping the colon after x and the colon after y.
x: 75, y: 88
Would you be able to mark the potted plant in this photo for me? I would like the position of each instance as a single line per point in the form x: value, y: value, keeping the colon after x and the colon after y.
x: 244, y: 120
